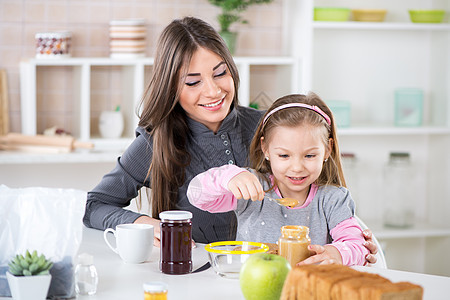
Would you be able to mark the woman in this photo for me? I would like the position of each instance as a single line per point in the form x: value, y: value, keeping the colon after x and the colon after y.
x: 190, y: 122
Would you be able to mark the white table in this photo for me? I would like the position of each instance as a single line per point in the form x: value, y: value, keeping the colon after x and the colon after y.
x: 118, y: 280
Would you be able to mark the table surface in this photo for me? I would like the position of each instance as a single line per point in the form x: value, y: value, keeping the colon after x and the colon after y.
x: 119, y: 280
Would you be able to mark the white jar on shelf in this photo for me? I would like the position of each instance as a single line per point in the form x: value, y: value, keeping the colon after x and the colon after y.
x: 111, y: 124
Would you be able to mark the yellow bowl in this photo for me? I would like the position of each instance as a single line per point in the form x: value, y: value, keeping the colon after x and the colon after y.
x: 427, y: 16
x: 335, y: 14
x: 369, y: 15
x: 227, y: 257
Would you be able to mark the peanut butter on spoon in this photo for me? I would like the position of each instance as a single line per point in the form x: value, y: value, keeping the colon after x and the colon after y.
x: 291, y: 202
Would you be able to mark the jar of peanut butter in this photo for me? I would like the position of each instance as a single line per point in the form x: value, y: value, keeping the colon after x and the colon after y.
x: 293, y: 243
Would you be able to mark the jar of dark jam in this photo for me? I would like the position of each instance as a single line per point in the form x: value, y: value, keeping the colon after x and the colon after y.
x: 176, y: 242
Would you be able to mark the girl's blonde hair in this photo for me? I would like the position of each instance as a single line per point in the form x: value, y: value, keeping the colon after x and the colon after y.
x: 332, y: 172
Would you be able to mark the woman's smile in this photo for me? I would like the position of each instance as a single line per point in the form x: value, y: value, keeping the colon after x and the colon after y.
x: 213, y: 106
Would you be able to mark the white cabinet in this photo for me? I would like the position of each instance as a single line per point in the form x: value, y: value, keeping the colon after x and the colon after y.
x: 363, y: 63
x: 134, y: 80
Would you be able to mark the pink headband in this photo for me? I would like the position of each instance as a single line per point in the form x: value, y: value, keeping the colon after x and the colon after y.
x: 288, y: 105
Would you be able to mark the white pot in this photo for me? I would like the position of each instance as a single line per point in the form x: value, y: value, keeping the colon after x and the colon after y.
x: 111, y: 124
x: 29, y: 287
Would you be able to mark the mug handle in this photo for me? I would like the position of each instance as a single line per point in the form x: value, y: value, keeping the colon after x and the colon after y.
x: 106, y: 239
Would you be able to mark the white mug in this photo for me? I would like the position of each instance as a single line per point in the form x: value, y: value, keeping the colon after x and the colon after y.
x: 134, y: 242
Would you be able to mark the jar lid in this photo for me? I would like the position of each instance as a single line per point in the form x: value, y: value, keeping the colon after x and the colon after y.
x: 155, y: 286
x: 399, y: 156
x: 175, y: 215
x: 53, y: 34
x: 85, y: 259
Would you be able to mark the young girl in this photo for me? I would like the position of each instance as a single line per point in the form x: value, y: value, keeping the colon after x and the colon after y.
x: 293, y: 154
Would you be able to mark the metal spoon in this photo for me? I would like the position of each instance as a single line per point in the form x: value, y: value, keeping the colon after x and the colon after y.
x: 291, y: 202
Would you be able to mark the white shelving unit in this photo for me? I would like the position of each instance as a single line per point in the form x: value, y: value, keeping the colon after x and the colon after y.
x: 135, y: 73
x: 363, y: 63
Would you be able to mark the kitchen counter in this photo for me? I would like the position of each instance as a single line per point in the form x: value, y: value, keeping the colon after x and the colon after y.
x: 118, y: 280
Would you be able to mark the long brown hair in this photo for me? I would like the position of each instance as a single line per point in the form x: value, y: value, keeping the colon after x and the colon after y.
x: 162, y: 115
x: 332, y: 172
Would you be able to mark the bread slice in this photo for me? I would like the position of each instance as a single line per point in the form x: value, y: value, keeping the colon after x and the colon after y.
x: 350, y: 288
x: 344, y: 283
x: 392, y: 291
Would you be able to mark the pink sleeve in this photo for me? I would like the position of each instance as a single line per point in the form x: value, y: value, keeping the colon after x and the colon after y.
x: 348, y: 239
x: 209, y: 190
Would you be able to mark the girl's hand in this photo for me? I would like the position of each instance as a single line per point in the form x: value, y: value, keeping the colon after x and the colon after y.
x: 322, y: 255
x: 371, y: 246
x: 246, y: 185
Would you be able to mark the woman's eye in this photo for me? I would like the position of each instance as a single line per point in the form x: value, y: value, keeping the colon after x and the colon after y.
x: 283, y: 156
x: 310, y: 156
x: 192, y: 83
x: 224, y: 72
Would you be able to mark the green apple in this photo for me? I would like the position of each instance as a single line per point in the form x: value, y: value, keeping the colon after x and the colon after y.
x: 262, y: 276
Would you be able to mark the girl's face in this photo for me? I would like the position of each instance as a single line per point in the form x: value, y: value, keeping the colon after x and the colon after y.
x: 208, y: 89
x: 296, y: 156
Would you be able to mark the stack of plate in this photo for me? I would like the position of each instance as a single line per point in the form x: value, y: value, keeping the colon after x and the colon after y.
x: 127, y: 38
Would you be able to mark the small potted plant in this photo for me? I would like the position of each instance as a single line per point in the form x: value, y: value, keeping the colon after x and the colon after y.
x: 28, y: 276
x: 231, y: 10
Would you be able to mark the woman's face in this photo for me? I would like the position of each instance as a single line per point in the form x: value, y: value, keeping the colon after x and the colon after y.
x: 208, y: 89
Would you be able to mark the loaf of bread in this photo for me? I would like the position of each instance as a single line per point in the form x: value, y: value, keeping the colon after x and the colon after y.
x: 340, y: 282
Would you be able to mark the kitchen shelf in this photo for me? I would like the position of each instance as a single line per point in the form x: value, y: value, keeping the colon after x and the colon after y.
x: 134, y: 72
x: 387, y: 131
x: 75, y: 157
x: 419, y: 230
x: 364, y: 63
x: 380, y: 26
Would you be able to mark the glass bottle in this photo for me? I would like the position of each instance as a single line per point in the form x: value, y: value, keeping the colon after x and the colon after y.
x: 350, y: 164
x: 293, y: 243
x: 399, y: 201
x: 176, y: 242
x: 86, y: 278
x: 155, y: 290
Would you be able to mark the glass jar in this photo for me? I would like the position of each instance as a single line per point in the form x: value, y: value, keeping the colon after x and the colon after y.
x: 399, y: 200
x: 155, y: 290
x: 86, y: 278
x: 293, y: 243
x: 176, y: 242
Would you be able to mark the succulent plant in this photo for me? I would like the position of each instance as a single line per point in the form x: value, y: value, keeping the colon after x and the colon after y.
x: 30, y: 264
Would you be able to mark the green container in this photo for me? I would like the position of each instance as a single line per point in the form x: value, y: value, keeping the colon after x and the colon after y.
x: 341, y: 111
x: 427, y: 16
x: 335, y: 14
x: 408, y: 107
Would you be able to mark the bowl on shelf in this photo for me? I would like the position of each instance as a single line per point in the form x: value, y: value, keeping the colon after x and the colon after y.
x: 427, y: 16
x: 335, y: 14
x: 227, y: 257
x: 369, y: 15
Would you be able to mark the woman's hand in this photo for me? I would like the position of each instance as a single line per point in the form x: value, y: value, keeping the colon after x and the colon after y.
x: 322, y: 255
x: 156, y: 231
x: 371, y: 246
x: 246, y: 185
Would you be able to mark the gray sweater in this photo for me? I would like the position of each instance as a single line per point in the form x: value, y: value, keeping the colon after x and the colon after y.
x: 230, y: 145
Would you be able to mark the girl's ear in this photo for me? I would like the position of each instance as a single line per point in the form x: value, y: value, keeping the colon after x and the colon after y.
x: 329, y: 148
x: 263, y: 146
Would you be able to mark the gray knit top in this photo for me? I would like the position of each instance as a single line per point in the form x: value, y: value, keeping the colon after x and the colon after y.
x: 230, y: 145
